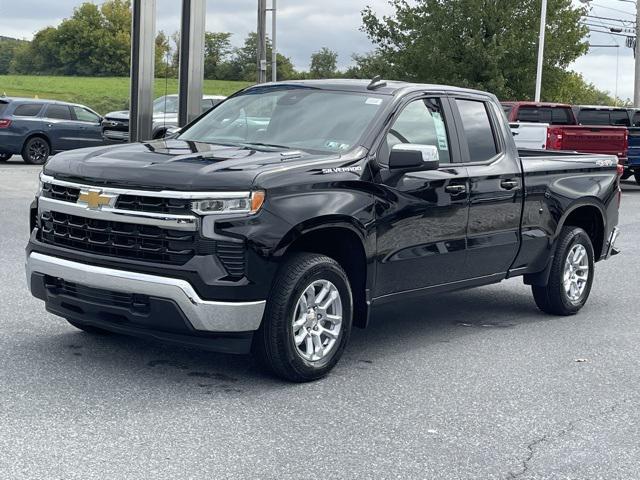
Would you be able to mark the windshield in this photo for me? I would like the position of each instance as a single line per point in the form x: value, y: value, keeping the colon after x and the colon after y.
x: 168, y: 104
x: 289, y: 117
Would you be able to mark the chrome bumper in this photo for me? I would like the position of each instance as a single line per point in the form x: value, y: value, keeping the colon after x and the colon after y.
x: 611, y: 244
x: 204, y: 315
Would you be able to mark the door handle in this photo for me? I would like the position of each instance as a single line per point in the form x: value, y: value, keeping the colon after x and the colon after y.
x: 509, y: 184
x: 455, y: 189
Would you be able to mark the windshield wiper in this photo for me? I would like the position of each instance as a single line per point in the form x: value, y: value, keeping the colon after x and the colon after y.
x: 270, y: 145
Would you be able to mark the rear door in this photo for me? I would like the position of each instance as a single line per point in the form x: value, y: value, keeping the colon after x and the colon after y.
x: 495, y: 196
x: 421, y: 227
x: 64, y: 131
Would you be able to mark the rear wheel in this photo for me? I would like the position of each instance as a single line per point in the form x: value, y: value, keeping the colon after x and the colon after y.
x: 627, y: 174
x: 5, y: 156
x: 308, y: 319
x: 36, y: 151
x: 571, y: 274
x: 88, y: 328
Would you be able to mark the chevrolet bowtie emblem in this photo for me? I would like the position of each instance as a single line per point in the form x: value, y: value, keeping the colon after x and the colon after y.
x: 94, y: 199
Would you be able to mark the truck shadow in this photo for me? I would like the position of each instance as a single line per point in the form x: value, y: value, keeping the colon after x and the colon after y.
x: 393, y: 330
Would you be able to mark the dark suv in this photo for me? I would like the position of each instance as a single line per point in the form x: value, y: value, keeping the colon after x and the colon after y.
x: 37, y: 128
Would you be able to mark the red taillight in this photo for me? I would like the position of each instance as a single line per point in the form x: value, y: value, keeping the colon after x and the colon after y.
x: 554, y: 138
x: 4, y: 123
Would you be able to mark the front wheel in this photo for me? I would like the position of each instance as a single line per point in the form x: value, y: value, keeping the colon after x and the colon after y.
x: 36, y: 151
x: 308, y: 318
x: 571, y: 274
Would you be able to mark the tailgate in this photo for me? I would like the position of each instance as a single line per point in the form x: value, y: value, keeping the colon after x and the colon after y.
x: 605, y: 140
x: 634, y: 146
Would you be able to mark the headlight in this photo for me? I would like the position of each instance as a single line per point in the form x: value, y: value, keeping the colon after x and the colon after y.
x: 247, y: 204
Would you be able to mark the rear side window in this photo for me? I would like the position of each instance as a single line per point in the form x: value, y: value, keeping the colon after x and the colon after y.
x: 636, y: 119
x: 619, y: 118
x: 27, y: 110
x: 561, y: 116
x: 3, y: 107
x: 60, y: 112
x: 593, y: 117
x: 481, y: 138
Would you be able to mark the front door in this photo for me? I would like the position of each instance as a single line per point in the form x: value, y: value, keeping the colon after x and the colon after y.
x: 90, y: 130
x: 422, y: 215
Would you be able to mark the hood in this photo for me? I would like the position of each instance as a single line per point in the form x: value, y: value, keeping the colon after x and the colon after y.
x: 172, y: 164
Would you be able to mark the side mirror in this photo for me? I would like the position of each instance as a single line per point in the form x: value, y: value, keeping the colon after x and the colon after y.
x: 408, y: 156
x: 172, y: 132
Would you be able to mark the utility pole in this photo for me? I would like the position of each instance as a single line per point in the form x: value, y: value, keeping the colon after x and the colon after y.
x: 262, y: 41
x: 636, y: 81
x: 543, y: 27
x: 274, y: 50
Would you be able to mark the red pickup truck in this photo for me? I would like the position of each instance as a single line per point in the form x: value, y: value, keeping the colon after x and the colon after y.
x: 564, y: 132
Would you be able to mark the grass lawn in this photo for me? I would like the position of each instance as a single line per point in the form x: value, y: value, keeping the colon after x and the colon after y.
x: 102, y: 94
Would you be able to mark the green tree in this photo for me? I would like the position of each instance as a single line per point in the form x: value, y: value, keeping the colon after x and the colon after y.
x: 486, y: 44
x: 324, y: 64
x: 217, y: 49
x: 243, y: 64
x: 8, y: 47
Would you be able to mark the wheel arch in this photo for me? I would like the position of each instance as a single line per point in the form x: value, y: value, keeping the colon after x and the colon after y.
x: 342, y: 240
x: 588, y: 215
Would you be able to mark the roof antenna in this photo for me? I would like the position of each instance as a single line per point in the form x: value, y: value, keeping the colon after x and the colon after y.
x: 376, y: 83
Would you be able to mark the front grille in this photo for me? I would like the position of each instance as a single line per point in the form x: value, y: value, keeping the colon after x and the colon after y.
x: 117, y: 239
x: 173, y: 206
x: 58, y: 192
x: 131, y: 301
x: 138, y: 242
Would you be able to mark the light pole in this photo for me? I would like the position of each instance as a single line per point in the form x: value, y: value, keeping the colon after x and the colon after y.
x: 543, y: 27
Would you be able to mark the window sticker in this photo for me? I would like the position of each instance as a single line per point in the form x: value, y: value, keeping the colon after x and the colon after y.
x: 441, y: 131
x: 373, y: 101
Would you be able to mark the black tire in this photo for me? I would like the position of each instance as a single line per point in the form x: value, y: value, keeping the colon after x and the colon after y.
x: 36, y: 151
x: 554, y: 298
x: 5, y: 156
x: 274, y: 343
x: 626, y: 175
x: 637, y: 177
x: 88, y: 328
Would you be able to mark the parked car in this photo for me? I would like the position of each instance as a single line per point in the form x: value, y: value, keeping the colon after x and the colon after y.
x: 618, y: 116
x: 115, y: 126
x: 564, y: 132
x: 279, y: 235
x: 37, y: 128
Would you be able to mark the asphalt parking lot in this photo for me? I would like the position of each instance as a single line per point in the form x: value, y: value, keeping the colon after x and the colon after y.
x: 474, y: 384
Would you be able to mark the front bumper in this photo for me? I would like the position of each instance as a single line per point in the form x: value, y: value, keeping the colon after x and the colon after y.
x: 201, y: 315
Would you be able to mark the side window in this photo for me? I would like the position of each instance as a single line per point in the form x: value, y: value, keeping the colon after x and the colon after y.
x: 27, y: 110
x: 60, y: 112
x: 476, y: 122
x: 84, y: 115
x: 422, y: 123
x: 593, y: 117
x: 636, y: 119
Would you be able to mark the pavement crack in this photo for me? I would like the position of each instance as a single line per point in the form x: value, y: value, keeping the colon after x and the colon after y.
x: 571, y: 426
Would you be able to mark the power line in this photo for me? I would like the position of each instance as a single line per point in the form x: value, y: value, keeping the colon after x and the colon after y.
x: 614, y: 9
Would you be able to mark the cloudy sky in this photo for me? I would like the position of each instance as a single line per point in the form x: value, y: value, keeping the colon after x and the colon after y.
x: 306, y: 25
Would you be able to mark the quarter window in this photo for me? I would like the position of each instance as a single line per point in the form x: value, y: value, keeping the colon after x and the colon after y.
x: 422, y: 123
x: 28, y: 110
x: 480, y: 136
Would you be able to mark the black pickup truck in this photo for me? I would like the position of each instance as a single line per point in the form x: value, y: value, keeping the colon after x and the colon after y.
x: 284, y: 216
